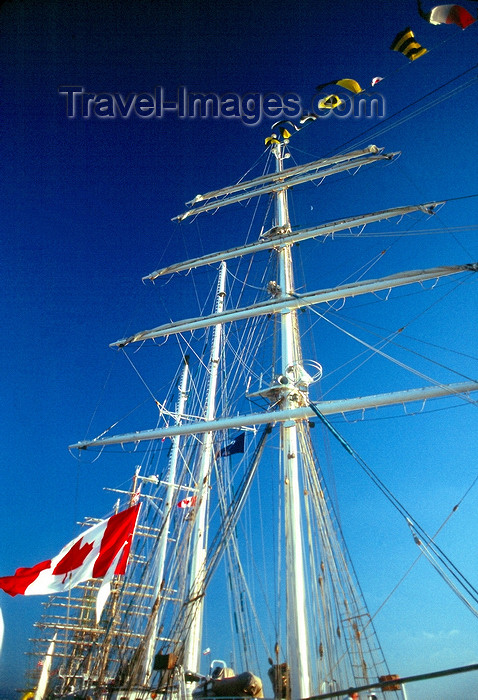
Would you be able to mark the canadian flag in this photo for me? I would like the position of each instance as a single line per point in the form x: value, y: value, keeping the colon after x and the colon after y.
x: 188, y: 502
x: 100, y: 552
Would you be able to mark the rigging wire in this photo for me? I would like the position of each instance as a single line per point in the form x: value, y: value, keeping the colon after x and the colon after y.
x: 417, y: 559
x: 354, y: 142
x: 343, y: 616
x: 412, y: 320
x: 417, y: 316
x: 424, y: 108
x: 375, y: 349
x: 433, y: 551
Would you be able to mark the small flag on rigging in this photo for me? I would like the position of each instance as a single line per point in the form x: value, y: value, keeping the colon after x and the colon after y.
x: 188, y: 502
x: 406, y: 44
x: 234, y: 447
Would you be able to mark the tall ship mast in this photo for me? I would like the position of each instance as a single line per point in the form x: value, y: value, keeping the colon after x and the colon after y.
x: 232, y: 472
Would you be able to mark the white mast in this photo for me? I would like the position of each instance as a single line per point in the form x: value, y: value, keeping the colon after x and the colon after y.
x: 199, y: 540
x: 297, y: 637
x: 45, y: 672
x: 168, y: 506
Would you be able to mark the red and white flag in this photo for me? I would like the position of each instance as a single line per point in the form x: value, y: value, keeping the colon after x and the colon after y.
x: 188, y: 502
x: 100, y: 552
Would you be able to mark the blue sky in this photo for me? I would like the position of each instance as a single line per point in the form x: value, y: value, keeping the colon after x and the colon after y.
x: 86, y: 209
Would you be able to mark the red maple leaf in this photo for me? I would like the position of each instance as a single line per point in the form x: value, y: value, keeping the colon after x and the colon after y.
x: 73, y: 558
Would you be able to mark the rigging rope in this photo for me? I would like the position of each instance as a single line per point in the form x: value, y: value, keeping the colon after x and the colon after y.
x: 362, y: 325
x: 422, y: 539
x: 375, y: 349
x: 355, y: 142
x: 452, y: 512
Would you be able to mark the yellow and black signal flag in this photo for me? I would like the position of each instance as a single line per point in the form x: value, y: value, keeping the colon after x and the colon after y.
x: 406, y: 43
x: 282, y: 130
x: 330, y: 102
x: 333, y: 101
x: 347, y: 83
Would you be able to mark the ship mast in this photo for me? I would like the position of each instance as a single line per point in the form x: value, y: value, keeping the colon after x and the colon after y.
x: 297, y: 639
x: 199, y: 540
x: 171, y: 491
x: 333, y: 644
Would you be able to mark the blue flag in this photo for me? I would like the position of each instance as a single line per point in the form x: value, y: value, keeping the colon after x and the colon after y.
x: 234, y: 447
